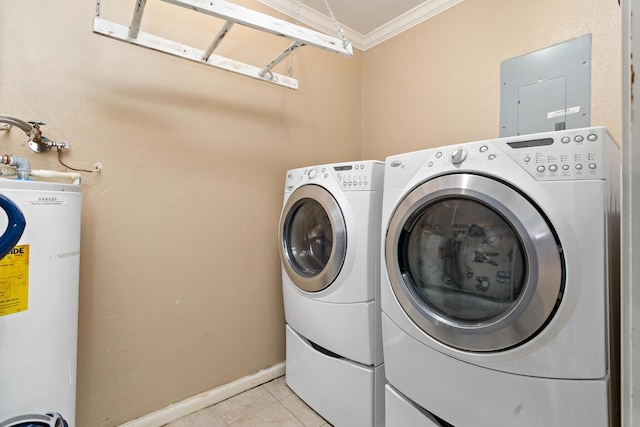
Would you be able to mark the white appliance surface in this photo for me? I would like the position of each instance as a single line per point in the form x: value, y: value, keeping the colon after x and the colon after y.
x: 401, y: 412
x: 467, y: 395
x: 343, y: 392
x: 332, y: 297
x: 563, y: 373
x: 345, y: 316
x: 38, y: 350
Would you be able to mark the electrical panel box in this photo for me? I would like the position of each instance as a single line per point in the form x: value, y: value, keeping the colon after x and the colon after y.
x: 547, y: 90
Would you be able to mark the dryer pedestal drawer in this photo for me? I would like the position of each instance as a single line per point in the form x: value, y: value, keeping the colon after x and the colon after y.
x: 343, y: 392
x: 401, y: 412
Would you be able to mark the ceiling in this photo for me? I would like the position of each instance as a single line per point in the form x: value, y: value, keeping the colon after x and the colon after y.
x: 365, y: 23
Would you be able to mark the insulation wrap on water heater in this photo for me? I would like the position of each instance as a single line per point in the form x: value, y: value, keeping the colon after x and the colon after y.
x: 39, y: 281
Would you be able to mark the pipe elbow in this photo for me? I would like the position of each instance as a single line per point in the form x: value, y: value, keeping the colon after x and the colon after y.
x: 23, y: 168
x: 21, y: 164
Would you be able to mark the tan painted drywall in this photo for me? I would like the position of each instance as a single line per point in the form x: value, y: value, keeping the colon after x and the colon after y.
x: 180, y: 280
x: 180, y: 275
x: 439, y: 83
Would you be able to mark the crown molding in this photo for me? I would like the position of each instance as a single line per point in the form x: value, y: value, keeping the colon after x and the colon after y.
x: 323, y: 23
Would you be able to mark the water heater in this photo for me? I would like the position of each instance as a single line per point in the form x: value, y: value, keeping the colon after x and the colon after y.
x: 39, y: 277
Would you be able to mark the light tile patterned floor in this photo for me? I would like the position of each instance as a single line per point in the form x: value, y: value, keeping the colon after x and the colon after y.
x: 270, y: 405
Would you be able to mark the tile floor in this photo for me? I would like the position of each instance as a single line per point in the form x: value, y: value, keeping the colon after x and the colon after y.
x: 270, y: 405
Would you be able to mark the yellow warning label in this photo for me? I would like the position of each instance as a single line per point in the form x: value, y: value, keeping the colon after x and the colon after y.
x: 14, y: 281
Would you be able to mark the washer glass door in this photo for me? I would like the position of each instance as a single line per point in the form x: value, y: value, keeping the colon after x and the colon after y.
x: 313, y: 238
x: 473, y: 263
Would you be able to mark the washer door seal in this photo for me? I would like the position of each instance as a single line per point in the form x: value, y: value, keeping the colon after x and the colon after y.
x: 313, y: 238
x: 473, y: 262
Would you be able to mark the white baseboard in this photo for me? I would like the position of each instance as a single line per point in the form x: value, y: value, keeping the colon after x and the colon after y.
x: 208, y: 398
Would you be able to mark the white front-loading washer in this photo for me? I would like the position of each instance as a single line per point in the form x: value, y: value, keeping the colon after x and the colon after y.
x: 500, y: 282
x: 329, y: 238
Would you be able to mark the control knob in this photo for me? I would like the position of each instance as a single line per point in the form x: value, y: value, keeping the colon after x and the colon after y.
x: 458, y: 156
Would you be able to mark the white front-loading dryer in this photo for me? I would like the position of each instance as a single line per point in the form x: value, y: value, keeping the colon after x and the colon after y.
x: 329, y: 239
x: 500, y: 276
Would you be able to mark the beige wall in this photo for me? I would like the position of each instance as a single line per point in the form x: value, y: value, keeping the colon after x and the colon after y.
x: 439, y: 83
x: 180, y: 280
x: 180, y: 274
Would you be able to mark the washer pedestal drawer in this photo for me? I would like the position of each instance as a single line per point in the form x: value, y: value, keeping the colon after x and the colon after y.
x: 343, y: 392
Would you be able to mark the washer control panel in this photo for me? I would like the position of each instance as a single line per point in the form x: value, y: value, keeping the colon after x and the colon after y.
x: 355, y: 176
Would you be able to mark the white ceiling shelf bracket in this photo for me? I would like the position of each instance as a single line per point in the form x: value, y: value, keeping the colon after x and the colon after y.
x: 216, y: 42
x: 293, y: 46
x: 134, y: 29
x: 231, y: 14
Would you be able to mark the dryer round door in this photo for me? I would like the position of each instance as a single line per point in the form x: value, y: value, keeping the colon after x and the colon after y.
x: 473, y: 263
x: 313, y: 238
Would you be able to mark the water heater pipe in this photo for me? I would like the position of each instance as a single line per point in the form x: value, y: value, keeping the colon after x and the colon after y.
x: 37, y: 141
x: 23, y: 168
x: 26, y: 127
x: 73, y: 176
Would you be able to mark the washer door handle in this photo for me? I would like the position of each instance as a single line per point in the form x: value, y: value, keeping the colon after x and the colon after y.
x: 15, y: 226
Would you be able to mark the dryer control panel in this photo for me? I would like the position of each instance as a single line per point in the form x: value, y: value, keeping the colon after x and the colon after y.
x: 571, y: 154
x: 576, y: 154
x: 587, y: 153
